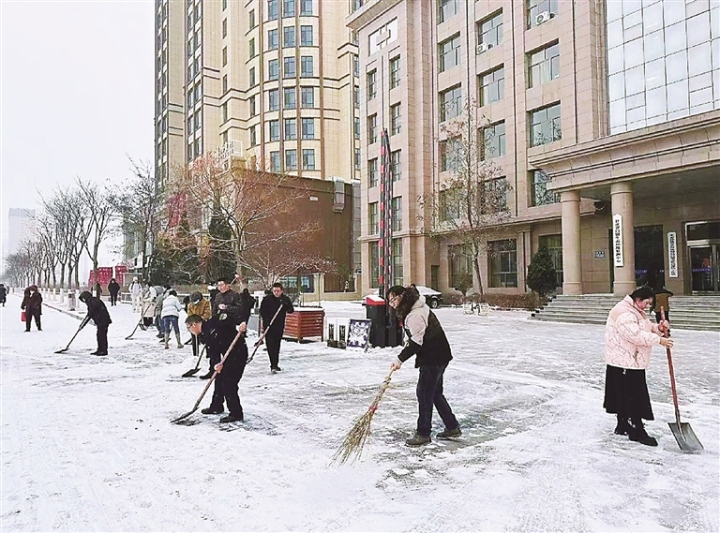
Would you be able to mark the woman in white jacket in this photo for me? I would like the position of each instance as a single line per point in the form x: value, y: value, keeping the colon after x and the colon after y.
x: 171, y: 308
x: 629, y: 338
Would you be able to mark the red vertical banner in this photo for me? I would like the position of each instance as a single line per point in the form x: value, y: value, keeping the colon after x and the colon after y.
x: 385, y: 222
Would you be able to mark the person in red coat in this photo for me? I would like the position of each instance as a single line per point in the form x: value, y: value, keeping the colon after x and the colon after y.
x: 32, y: 305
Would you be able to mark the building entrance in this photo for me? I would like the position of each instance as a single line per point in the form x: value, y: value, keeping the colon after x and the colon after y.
x: 703, y: 239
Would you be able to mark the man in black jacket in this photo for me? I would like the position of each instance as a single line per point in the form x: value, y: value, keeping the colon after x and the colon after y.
x: 218, y: 334
x: 270, y: 304
x: 113, y: 289
x: 98, y: 313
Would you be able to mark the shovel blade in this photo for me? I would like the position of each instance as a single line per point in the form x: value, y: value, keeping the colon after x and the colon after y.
x: 180, y: 419
x: 685, y: 437
x: 191, y: 372
x: 63, y: 350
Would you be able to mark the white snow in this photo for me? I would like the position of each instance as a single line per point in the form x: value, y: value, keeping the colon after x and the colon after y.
x: 87, y: 443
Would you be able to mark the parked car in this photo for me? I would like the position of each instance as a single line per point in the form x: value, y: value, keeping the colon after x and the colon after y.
x: 432, y: 297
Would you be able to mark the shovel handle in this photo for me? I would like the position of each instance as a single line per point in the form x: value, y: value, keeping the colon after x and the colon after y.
x: 672, y: 372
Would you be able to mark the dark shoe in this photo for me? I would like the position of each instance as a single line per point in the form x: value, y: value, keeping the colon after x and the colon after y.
x: 208, y: 375
x: 449, y: 434
x: 27, y: 331
x: 231, y: 418
x: 417, y: 440
x: 622, y: 427
x: 39, y: 329
x: 276, y: 369
x: 96, y: 352
x: 101, y: 353
x: 212, y: 411
x: 637, y: 433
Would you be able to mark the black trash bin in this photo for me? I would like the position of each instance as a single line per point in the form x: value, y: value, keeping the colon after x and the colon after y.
x: 382, y: 334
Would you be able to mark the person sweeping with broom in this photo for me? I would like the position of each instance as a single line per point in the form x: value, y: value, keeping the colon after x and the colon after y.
x: 428, y: 343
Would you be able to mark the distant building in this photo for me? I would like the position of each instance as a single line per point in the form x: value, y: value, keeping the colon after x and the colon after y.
x: 20, y: 228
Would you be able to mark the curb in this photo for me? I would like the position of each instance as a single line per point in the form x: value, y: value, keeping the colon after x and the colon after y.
x: 64, y: 311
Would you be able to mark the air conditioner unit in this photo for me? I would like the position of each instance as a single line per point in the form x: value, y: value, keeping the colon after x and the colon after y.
x: 483, y: 47
x: 544, y: 17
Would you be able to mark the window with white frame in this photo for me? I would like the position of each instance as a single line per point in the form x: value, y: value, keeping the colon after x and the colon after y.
x: 492, y: 86
x: 544, y: 65
x: 494, y: 140
x: 450, y: 103
x: 545, y: 125
x: 449, y: 53
x: 490, y: 30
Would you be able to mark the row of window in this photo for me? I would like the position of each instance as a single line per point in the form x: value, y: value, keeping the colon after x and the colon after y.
x: 289, y: 67
x: 538, y: 11
x: 289, y: 128
x: 289, y: 38
x: 371, y: 78
x: 374, y: 216
x: 289, y: 8
x: 291, y: 160
x: 396, y: 262
x: 395, y: 168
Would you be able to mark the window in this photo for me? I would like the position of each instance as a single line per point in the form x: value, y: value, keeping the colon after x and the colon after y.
x: 545, y: 125
x: 224, y: 56
x: 358, y: 159
x: 289, y: 67
x: 502, y: 256
x: 251, y: 18
x: 395, y: 168
x: 449, y: 154
x: 553, y: 244
x: 224, y: 112
x: 397, y: 262
x: 273, y: 100
x: 537, y: 7
x: 495, y: 195
x: 492, y: 86
x: 446, y: 9
x: 272, y: 39
x: 224, y: 28
x: 290, y: 129
x: 397, y: 213
x: 291, y: 159
x: 394, y: 72
x: 356, y: 127
x: 306, y: 35
x: 356, y: 96
x: 373, y: 218
x: 306, y: 66
x: 308, y: 155
x: 494, y: 140
x: 224, y: 4
x: 449, y: 53
x: 356, y: 66
x: 289, y: 37
x: 395, y: 121
x: 275, y: 161
x: 373, y: 172
x: 374, y: 264
x: 289, y: 98
x: 544, y: 65
x: 251, y: 77
x: 253, y: 136
x: 538, y: 188
x: 371, y: 86
x: 253, y: 109
x: 306, y: 8
x: 307, y: 96
x: 224, y: 83
x: 372, y: 129
x: 272, y: 9
x: 490, y: 30
x: 308, y: 128
x: 288, y: 8
x: 273, y: 69
x: 450, y: 103
x: 459, y: 266
x: 274, y: 130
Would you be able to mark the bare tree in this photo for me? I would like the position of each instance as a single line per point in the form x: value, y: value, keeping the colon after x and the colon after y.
x: 469, y: 207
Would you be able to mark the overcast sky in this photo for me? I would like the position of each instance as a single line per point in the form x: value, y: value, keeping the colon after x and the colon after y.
x: 77, y: 94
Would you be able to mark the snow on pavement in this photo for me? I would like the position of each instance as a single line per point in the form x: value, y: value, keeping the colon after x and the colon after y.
x: 87, y: 444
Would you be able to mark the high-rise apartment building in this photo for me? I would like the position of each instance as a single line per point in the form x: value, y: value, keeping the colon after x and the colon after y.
x: 605, y: 122
x: 273, y: 80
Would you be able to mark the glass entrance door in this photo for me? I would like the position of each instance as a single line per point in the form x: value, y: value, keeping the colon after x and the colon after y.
x: 705, y: 268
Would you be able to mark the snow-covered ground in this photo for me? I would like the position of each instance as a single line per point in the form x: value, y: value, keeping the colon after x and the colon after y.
x: 87, y: 443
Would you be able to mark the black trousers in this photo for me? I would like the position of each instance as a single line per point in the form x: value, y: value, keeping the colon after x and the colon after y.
x: 113, y: 299
x: 226, y: 383
x: 272, y: 341
x: 102, y: 341
x: 430, y: 393
x: 28, y: 319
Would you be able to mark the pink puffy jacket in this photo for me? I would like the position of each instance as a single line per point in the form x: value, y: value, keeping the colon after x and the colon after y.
x: 629, y: 336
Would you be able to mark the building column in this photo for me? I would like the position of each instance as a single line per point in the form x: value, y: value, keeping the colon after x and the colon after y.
x: 622, y: 207
x: 572, y: 269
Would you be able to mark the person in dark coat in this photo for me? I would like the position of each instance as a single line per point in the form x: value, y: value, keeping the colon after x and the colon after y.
x: 32, y: 305
x: 248, y: 299
x: 274, y: 332
x: 3, y: 294
x: 428, y: 343
x: 98, y: 313
x: 218, y: 334
x: 113, y: 289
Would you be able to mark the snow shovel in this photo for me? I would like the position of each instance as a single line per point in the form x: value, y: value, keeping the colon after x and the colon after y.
x: 197, y: 404
x: 195, y: 370
x: 82, y: 325
x: 142, y: 315
x: 260, y: 339
x: 683, y: 433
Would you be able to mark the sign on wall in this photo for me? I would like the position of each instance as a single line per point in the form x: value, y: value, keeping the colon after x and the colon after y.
x: 617, y: 241
x: 672, y: 254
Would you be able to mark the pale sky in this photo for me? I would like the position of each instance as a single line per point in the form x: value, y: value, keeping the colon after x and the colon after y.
x: 77, y: 94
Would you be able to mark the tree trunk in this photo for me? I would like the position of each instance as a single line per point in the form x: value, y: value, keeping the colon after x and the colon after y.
x: 481, y: 290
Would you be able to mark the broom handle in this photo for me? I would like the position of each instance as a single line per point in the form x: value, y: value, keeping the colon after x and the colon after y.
x: 672, y: 372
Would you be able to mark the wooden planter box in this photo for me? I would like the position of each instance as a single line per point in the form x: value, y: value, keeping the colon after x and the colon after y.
x: 304, y: 323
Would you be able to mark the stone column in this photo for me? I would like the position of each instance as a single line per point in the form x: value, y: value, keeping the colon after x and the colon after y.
x: 572, y: 269
x: 622, y: 204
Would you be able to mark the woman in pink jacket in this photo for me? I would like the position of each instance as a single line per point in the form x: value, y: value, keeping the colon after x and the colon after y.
x: 629, y: 338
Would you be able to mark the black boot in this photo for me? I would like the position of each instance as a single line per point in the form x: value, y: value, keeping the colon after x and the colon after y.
x: 208, y: 375
x: 622, y: 426
x: 637, y: 433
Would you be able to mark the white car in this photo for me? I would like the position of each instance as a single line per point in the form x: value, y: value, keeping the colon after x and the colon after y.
x: 432, y: 297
